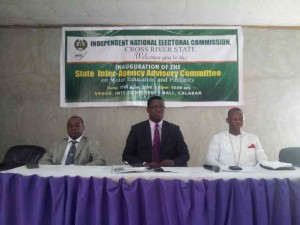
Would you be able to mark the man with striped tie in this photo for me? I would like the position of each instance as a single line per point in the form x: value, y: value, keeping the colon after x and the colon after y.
x: 76, y: 149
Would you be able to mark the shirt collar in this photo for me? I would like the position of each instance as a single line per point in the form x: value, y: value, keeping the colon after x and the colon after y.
x: 78, y: 139
x: 152, y: 124
x: 242, y: 132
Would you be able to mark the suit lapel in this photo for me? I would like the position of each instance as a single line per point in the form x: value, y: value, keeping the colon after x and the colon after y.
x: 164, y: 133
x: 148, y: 134
x: 80, y: 146
x: 61, y: 150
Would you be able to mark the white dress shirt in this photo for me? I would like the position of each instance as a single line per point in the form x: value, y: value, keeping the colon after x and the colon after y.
x: 63, y: 160
x: 152, y: 125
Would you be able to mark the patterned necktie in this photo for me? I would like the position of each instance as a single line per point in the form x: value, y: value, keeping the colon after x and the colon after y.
x: 156, y: 144
x: 71, y: 153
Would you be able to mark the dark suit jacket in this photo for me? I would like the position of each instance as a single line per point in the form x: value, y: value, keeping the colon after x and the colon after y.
x: 87, y: 153
x: 138, y: 147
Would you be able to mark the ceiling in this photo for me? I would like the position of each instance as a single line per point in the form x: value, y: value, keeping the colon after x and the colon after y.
x: 56, y: 13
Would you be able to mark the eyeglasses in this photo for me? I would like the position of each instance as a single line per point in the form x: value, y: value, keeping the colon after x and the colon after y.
x: 156, y: 107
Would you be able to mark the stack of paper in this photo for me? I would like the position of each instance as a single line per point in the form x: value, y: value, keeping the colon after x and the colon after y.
x: 127, y: 169
x: 276, y: 165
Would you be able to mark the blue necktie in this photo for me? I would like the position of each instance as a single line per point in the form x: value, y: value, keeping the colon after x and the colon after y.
x: 71, y: 153
x: 156, y: 144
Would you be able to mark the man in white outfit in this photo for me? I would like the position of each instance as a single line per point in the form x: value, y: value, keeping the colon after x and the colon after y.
x: 235, y: 147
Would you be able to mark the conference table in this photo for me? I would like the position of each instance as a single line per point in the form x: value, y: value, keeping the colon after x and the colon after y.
x: 84, y: 195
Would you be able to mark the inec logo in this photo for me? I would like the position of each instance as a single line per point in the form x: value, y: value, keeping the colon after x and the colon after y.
x: 80, y: 52
x: 80, y: 44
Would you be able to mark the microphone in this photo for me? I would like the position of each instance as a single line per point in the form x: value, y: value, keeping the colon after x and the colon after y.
x: 212, y: 168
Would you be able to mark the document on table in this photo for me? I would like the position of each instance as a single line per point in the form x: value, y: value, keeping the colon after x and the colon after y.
x: 276, y: 165
x: 133, y: 169
x: 127, y: 169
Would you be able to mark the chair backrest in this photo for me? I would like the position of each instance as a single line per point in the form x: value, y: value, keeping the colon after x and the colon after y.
x: 23, y: 154
x: 290, y: 155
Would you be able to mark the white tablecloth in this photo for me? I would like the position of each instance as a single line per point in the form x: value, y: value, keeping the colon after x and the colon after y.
x: 182, y: 173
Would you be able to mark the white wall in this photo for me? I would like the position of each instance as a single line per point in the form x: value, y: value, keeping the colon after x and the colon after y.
x: 30, y: 112
x: 151, y: 12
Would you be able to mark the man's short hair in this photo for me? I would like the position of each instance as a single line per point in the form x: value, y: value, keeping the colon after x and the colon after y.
x: 234, y: 109
x: 153, y: 98
x: 76, y: 117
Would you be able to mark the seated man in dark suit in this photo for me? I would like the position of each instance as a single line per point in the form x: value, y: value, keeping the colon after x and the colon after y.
x: 76, y: 149
x: 155, y: 142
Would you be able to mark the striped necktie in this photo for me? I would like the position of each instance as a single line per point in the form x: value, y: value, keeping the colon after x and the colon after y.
x: 71, y: 153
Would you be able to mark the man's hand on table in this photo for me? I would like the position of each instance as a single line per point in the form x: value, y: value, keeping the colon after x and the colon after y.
x: 165, y: 163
